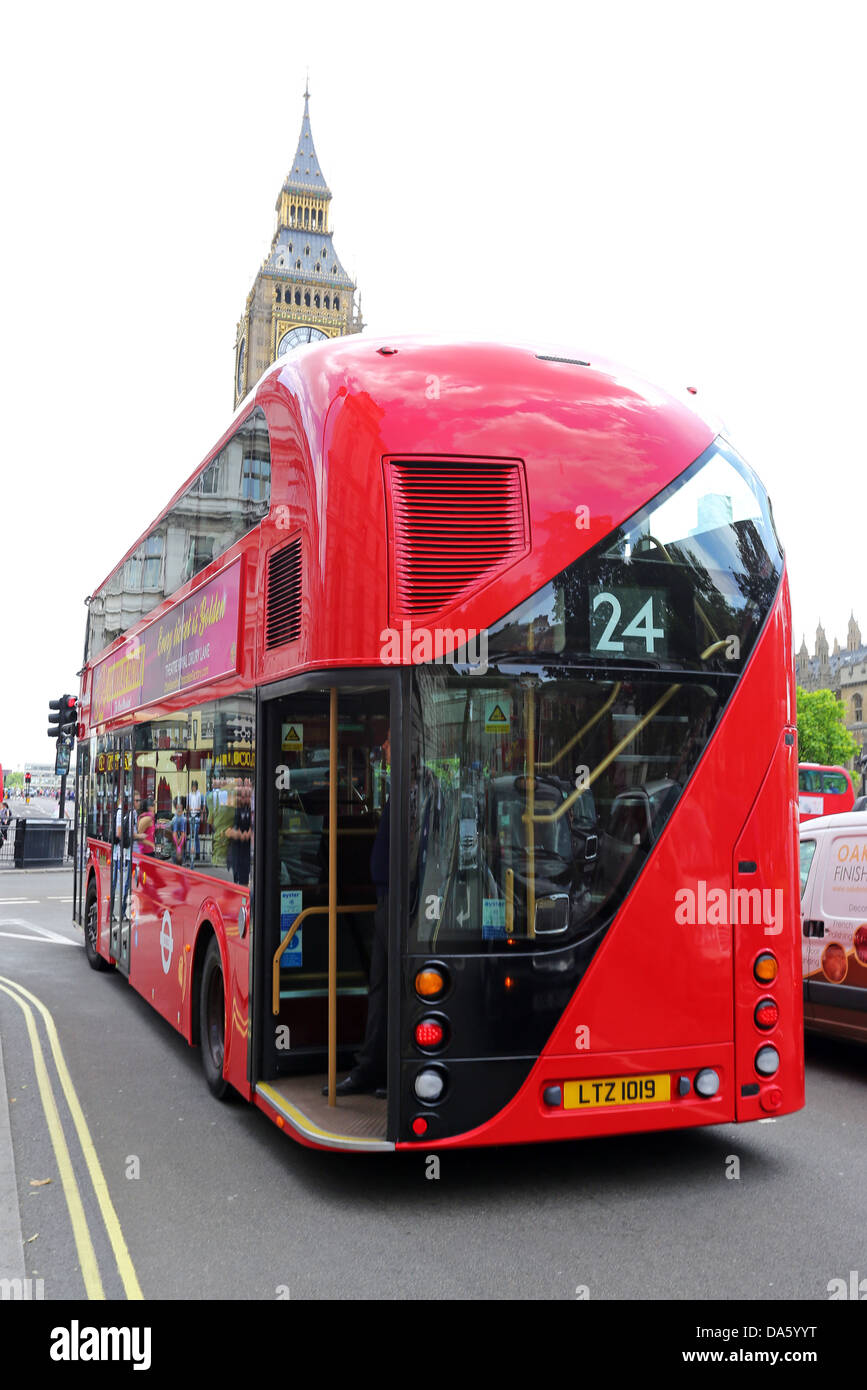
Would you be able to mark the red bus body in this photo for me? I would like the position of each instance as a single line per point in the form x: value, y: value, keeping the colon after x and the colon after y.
x: 657, y: 997
x: 823, y: 790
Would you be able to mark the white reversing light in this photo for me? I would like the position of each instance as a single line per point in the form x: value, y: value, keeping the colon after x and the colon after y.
x: 429, y: 1085
x: 767, y: 1061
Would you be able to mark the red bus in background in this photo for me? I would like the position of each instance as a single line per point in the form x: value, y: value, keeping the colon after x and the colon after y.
x: 823, y: 790
x: 560, y: 598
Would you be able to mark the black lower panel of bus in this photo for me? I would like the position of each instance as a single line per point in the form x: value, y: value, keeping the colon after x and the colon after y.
x: 476, y: 1090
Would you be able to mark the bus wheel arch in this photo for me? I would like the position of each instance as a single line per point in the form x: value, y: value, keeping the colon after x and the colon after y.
x: 91, y: 926
x: 209, y: 1020
x: 208, y: 928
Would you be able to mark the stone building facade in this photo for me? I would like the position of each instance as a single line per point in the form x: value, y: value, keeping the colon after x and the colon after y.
x: 843, y: 670
x: 302, y: 292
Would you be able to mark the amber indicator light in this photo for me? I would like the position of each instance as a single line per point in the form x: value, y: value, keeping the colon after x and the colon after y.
x: 765, y: 968
x: 429, y: 983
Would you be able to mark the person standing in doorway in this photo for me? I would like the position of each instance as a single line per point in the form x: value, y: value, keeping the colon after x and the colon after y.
x: 369, y: 1072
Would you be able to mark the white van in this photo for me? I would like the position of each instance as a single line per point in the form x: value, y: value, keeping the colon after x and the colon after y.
x: 834, y: 924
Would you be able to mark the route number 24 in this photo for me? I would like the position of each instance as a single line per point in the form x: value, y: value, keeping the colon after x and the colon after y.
x: 640, y: 627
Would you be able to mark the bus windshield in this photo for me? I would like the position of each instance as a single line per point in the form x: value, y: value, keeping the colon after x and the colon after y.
x: 541, y: 782
x: 498, y: 853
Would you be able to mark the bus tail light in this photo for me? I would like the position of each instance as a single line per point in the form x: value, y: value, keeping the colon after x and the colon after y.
x: 767, y: 1061
x: 767, y: 1014
x: 429, y: 1033
x: 765, y: 968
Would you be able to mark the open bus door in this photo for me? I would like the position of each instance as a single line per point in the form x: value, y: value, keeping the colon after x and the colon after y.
x: 324, y: 786
x: 121, y: 852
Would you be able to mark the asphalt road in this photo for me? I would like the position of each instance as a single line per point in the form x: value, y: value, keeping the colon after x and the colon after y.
x: 213, y: 1202
x: 39, y: 807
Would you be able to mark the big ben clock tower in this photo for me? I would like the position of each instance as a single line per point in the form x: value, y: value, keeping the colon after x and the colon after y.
x: 302, y: 292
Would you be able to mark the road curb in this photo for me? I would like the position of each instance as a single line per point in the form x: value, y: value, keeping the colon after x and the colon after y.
x: 11, y: 1243
x: 49, y: 869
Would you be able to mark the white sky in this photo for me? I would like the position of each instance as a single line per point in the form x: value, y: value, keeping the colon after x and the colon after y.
x: 677, y: 186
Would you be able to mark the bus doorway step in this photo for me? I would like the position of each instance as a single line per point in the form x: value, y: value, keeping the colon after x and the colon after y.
x: 356, y: 1122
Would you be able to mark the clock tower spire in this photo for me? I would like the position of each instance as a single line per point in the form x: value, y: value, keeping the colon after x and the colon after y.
x: 302, y: 292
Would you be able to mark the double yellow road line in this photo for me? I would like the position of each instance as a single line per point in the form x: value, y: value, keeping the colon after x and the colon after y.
x: 83, y: 1243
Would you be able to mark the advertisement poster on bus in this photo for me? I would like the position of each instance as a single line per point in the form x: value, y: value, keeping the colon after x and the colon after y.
x: 194, y: 642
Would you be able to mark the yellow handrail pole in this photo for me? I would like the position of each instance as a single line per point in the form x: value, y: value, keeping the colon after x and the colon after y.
x: 609, y: 757
x: 718, y: 642
x: 510, y: 902
x: 284, y: 942
x: 714, y: 647
x: 594, y: 719
x: 332, y: 904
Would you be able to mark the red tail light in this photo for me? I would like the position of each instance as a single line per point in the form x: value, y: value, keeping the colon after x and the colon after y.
x: 767, y: 1014
x: 429, y: 1033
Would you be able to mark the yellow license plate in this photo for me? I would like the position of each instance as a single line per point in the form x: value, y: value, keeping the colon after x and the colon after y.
x: 615, y: 1090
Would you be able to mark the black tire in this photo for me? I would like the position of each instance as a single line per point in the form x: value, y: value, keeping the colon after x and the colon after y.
x: 212, y: 1022
x: 91, y: 931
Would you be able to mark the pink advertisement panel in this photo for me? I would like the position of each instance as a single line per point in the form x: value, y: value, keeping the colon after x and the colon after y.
x: 194, y: 642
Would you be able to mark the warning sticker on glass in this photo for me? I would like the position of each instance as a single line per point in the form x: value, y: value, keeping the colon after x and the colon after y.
x: 293, y: 738
x: 497, y: 713
x: 290, y: 906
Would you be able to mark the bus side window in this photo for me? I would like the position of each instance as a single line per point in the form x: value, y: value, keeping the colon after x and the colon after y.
x: 808, y: 850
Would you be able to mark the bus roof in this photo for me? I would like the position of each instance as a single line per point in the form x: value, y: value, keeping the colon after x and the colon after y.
x: 454, y: 377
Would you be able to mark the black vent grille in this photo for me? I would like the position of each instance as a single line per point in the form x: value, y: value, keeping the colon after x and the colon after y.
x: 456, y: 524
x: 283, y: 611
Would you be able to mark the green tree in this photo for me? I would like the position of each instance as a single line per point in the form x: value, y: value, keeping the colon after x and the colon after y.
x: 822, y: 734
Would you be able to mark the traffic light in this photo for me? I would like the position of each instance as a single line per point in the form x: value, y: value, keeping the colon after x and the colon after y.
x: 61, y: 715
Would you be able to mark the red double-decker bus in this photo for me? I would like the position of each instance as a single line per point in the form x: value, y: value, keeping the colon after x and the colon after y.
x: 823, y: 790
x: 459, y: 676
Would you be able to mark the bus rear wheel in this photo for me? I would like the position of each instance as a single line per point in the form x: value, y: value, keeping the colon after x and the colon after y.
x: 212, y: 1021
x: 91, y: 931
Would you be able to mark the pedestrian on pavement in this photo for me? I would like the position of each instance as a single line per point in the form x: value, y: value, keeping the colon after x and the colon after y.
x: 194, y: 807
x: 179, y: 829
x: 146, y: 832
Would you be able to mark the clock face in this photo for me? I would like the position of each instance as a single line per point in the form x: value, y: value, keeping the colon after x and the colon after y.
x: 296, y: 336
